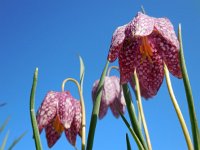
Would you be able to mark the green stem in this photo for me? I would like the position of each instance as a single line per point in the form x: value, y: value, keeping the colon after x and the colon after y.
x: 32, y: 112
x: 82, y: 108
x: 128, y: 142
x: 95, y: 110
x: 141, y: 110
x: 190, y: 100
x: 132, y: 114
x: 137, y: 140
x: 4, y: 141
x: 178, y: 111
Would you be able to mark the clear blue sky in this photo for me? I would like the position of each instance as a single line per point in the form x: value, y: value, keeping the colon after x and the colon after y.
x: 50, y: 35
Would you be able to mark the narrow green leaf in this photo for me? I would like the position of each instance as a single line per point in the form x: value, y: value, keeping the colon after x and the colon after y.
x: 128, y: 142
x: 17, y: 140
x: 4, y: 124
x: 132, y: 114
x: 82, y: 72
x: 137, y: 140
x: 190, y: 100
x: 95, y: 111
x: 4, y: 141
x: 32, y: 112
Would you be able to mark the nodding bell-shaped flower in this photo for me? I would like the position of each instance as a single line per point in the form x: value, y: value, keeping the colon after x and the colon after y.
x: 145, y: 44
x: 59, y: 112
x: 112, y: 95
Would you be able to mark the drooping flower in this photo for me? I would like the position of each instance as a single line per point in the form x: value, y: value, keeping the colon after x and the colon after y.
x: 112, y: 95
x: 145, y: 44
x: 59, y: 112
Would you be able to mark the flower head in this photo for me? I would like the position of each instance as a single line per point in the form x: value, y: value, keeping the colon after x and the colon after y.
x: 145, y: 44
x: 59, y: 112
x: 112, y: 95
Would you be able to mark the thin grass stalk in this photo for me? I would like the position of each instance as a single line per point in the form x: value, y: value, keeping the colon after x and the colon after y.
x: 190, y: 100
x: 138, y: 95
x: 128, y: 144
x: 4, y: 141
x: 137, y: 140
x: 36, y: 134
x: 132, y: 115
x: 178, y: 110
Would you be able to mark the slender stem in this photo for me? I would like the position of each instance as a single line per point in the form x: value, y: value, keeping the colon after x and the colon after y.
x: 82, y: 108
x: 137, y: 140
x: 178, y: 111
x: 32, y: 112
x: 132, y: 115
x: 2, y: 147
x: 139, y: 117
x: 128, y: 144
x: 141, y: 110
x: 95, y: 110
x: 188, y: 90
x: 110, y: 68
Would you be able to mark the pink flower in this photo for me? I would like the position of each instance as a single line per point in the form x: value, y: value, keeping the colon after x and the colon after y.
x: 112, y: 95
x: 59, y: 112
x: 145, y: 44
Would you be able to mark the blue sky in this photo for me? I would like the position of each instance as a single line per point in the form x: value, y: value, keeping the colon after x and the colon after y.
x: 50, y: 35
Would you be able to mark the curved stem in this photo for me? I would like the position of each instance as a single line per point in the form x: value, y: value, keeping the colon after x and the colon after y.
x: 110, y: 68
x: 141, y: 110
x: 82, y: 108
x: 178, y: 111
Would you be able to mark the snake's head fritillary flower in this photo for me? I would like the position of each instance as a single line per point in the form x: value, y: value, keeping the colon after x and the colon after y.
x: 145, y: 44
x: 59, y: 112
x: 112, y: 95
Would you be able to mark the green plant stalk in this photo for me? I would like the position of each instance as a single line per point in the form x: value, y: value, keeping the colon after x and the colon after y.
x: 4, y: 124
x: 190, y: 100
x: 82, y: 109
x: 16, y: 141
x: 132, y: 115
x: 139, y: 117
x: 138, y: 96
x: 128, y: 144
x: 137, y: 140
x: 178, y: 111
x: 32, y: 112
x: 95, y: 111
x: 4, y: 141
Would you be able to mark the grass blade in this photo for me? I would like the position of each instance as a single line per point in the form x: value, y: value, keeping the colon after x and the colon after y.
x: 128, y: 142
x: 132, y: 114
x: 4, y: 124
x: 17, y: 140
x: 95, y: 110
x: 4, y: 141
x: 32, y: 112
x: 137, y: 140
x: 190, y: 100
